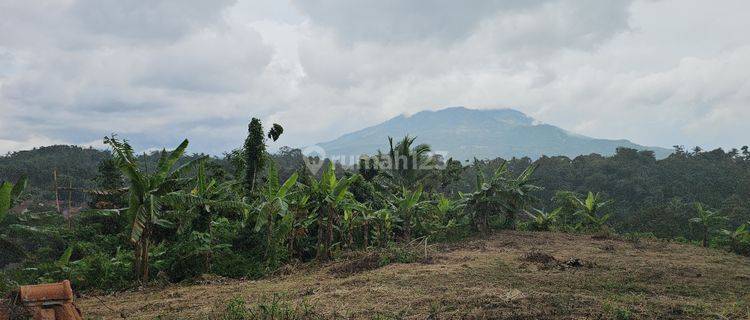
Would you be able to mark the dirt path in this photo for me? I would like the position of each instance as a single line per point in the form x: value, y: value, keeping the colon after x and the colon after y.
x: 516, y: 275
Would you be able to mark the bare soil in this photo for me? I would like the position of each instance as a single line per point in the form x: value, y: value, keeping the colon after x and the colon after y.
x: 509, y: 275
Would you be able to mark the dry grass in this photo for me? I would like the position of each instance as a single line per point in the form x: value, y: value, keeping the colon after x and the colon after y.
x: 511, y: 275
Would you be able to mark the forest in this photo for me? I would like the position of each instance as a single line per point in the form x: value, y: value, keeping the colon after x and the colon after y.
x: 169, y: 217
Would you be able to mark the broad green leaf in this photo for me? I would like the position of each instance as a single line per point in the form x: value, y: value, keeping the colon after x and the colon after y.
x: 65, y: 258
x: 5, y: 199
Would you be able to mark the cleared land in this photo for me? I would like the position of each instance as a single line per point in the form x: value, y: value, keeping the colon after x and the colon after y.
x: 514, y: 275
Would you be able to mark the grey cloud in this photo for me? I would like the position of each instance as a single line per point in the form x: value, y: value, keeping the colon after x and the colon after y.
x: 148, y: 19
x: 549, y: 23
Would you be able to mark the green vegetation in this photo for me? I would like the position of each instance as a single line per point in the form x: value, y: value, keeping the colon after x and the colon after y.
x: 250, y: 213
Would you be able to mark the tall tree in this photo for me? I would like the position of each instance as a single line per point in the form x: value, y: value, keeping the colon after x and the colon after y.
x: 406, y: 164
x: 255, y: 155
x: 109, y: 179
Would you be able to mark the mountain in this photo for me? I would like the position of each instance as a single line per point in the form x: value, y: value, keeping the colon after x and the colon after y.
x: 468, y: 133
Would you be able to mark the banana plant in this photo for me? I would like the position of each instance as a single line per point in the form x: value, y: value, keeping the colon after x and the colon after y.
x: 737, y: 236
x: 407, y: 205
x: 591, y: 209
x: 489, y: 196
x: 274, y: 205
x: 147, y: 193
x: 331, y: 197
x: 302, y: 219
x: 516, y: 193
x: 10, y: 194
x: 387, y: 220
x: 366, y: 218
x: 542, y: 220
x: 706, y: 219
x: 198, y: 206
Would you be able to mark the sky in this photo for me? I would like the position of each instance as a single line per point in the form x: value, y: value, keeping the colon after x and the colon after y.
x: 657, y: 72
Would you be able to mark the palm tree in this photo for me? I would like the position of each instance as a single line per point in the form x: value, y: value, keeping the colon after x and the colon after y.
x: 706, y: 219
x: 331, y: 196
x: 146, y: 194
x: 406, y: 163
x: 590, y: 210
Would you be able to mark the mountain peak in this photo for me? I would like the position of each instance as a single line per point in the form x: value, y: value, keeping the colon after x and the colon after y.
x: 466, y: 133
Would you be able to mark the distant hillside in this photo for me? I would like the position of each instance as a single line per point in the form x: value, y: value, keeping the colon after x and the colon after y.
x: 466, y: 133
x: 75, y: 166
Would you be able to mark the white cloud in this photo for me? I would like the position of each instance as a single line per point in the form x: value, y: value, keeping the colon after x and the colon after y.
x: 72, y: 71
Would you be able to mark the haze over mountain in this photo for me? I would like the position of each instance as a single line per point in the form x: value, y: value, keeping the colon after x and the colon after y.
x: 467, y: 133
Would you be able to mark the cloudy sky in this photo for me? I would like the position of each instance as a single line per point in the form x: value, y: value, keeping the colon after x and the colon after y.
x: 656, y: 72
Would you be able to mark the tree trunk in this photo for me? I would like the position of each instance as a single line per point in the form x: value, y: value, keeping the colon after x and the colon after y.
x: 350, y: 235
x: 407, y: 228
x: 329, y: 241
x: 141, y: 257
x: 292, y: 239
x: 705, y: 238
x: 269, y: 237
x: 145, y: 261
x: 379, y: 235
x: 141, y: 260
x: 320, y: 250
x: 366, y: 235
x: 510, y: 220
x: 209, y: 253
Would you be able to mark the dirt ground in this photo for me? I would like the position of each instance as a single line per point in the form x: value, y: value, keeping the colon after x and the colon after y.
x: 510, y: 275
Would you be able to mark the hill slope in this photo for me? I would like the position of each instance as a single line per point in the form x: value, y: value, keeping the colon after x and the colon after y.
x: 492, y: 278
x: 466, y: 133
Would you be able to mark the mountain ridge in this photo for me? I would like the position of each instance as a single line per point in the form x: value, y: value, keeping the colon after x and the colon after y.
x: 486, y: 134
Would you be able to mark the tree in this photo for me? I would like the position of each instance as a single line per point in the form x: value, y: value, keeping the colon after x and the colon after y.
x: 255, y: 155
x: 406, y: 164
x: 706, y: 219
x: 146, y: 194
x: 110, y: 180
